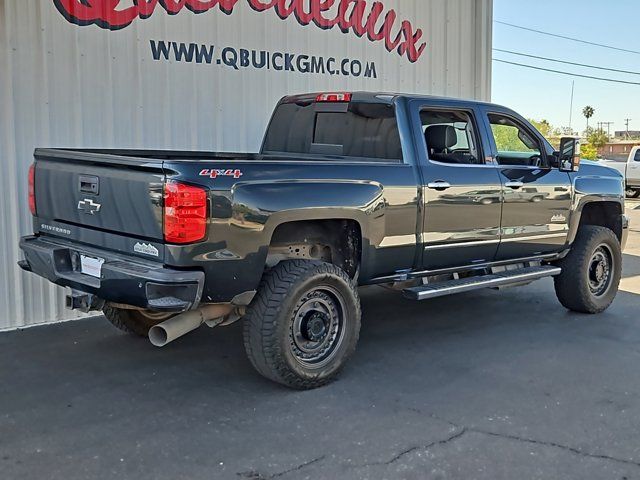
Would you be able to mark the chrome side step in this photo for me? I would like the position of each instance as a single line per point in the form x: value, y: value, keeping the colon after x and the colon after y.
x: 501, y: 279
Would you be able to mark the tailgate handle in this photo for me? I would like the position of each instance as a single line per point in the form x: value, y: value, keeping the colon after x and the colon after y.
x: 89, y: 184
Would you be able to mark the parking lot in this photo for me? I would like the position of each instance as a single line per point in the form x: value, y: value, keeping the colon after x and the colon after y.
x: 484, y: 385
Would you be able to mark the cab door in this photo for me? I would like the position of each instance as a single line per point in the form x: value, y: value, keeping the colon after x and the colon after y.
x: 537, y: 197
x: 461, y: 194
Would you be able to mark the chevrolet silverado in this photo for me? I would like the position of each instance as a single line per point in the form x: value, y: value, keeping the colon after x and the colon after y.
x: 429, y: 196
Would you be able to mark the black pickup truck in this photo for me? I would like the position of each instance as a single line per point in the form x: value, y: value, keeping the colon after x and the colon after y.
x: 430, y: 196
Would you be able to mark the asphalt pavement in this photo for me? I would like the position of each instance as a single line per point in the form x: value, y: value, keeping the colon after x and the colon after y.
x: 485, y: 385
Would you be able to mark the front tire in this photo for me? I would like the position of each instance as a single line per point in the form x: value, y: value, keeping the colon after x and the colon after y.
x: 135, y: 322
x: 303, y: 324
x: 591, y: 271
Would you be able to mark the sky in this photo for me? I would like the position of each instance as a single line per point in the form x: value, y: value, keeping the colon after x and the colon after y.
x: 541, y: 95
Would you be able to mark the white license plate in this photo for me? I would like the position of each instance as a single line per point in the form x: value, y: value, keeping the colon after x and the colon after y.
x: 91, y: 265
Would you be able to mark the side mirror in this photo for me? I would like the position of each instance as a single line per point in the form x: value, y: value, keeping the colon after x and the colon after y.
x: 569, y: 154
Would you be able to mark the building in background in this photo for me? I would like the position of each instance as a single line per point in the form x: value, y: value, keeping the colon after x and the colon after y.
x: 618, y: 150
x: 158, y: 75
x: 629, y: 134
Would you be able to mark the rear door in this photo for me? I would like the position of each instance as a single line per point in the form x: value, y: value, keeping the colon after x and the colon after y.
x: 462, y: 195
x: 361, y: 135
x: 537, y: 196
x: 100, y: 199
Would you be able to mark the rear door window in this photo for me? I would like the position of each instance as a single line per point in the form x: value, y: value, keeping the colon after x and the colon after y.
x: 450, y: 137
x: 356, y: 131
x: 637, y: 159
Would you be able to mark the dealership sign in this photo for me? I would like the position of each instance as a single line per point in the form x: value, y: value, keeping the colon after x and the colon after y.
x: 360, y: 17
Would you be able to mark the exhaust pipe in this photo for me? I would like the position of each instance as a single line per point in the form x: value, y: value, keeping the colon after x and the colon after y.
x: 169, y: 330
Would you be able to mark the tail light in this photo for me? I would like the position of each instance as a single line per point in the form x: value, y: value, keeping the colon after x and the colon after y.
x: 185, y: 213
x: 32, y: 189
x: 334, y: 97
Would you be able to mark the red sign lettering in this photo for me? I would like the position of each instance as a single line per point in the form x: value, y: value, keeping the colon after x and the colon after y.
x: 358, y: 16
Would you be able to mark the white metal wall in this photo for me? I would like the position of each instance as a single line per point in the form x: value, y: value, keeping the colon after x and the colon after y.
x: 83, y: 86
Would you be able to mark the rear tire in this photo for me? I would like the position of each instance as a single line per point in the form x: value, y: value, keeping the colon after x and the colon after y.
x: 303, y: 324
x: 135, y: 322
x: 591, y: 271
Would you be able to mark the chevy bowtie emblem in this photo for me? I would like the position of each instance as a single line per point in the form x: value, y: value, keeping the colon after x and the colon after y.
x: 88, y: 206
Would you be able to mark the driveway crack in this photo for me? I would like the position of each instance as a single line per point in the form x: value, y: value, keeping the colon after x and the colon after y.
x: 462, y: 430
x: 567, y: 448
x: 398, y: 456
x: 254, y: 475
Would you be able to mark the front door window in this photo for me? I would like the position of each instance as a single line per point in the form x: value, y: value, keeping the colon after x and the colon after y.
x: 515, y: 145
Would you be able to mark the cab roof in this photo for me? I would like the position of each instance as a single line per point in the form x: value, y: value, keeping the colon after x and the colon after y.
x: 384, y: 98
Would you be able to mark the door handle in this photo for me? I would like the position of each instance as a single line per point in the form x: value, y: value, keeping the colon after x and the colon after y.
x: 514, y: 185
x: 439, y: 185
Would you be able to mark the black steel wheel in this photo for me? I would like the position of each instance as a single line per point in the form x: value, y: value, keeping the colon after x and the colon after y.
x: 303, y: 324
x: 600, y: 270
x: 317, y: 329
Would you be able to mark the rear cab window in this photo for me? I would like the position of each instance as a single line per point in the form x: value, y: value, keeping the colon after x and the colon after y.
x: 353, y: 131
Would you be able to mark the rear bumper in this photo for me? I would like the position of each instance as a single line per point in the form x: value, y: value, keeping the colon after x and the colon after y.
x: 123, y: 279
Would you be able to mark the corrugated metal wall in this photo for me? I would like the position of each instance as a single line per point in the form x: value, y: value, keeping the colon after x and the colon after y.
x: 83, y: 86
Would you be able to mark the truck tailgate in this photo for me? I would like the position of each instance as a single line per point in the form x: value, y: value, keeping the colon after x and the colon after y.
x: 105, y: 193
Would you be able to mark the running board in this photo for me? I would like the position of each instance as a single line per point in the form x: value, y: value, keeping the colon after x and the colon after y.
x: 501, y: 279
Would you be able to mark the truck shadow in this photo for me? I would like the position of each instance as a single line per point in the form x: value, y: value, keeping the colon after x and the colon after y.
x: 395, y: 333
x: 630, y: 265
x: 400, y: 331
x: 458, y: 357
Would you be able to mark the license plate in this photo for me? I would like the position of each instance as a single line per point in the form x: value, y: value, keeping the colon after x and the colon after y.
x: 91, y: 265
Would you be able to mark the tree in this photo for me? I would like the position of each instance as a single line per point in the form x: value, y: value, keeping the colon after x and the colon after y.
x: 507, y: 140
x: 588, y: 152
x: 598, y: 138
x: 543, y: 126
x: 551, y: 133
x: 588, y: 112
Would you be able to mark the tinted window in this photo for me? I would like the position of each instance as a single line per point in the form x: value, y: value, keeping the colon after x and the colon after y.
x: 515, y: 144
x: 450, y: 137
x: 361, y: 131
x: 510, y: 137
x: 637, y: 159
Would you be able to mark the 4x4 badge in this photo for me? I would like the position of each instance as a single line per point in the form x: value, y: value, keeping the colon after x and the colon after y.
x: 88, y: 206
x: 215, y: 173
